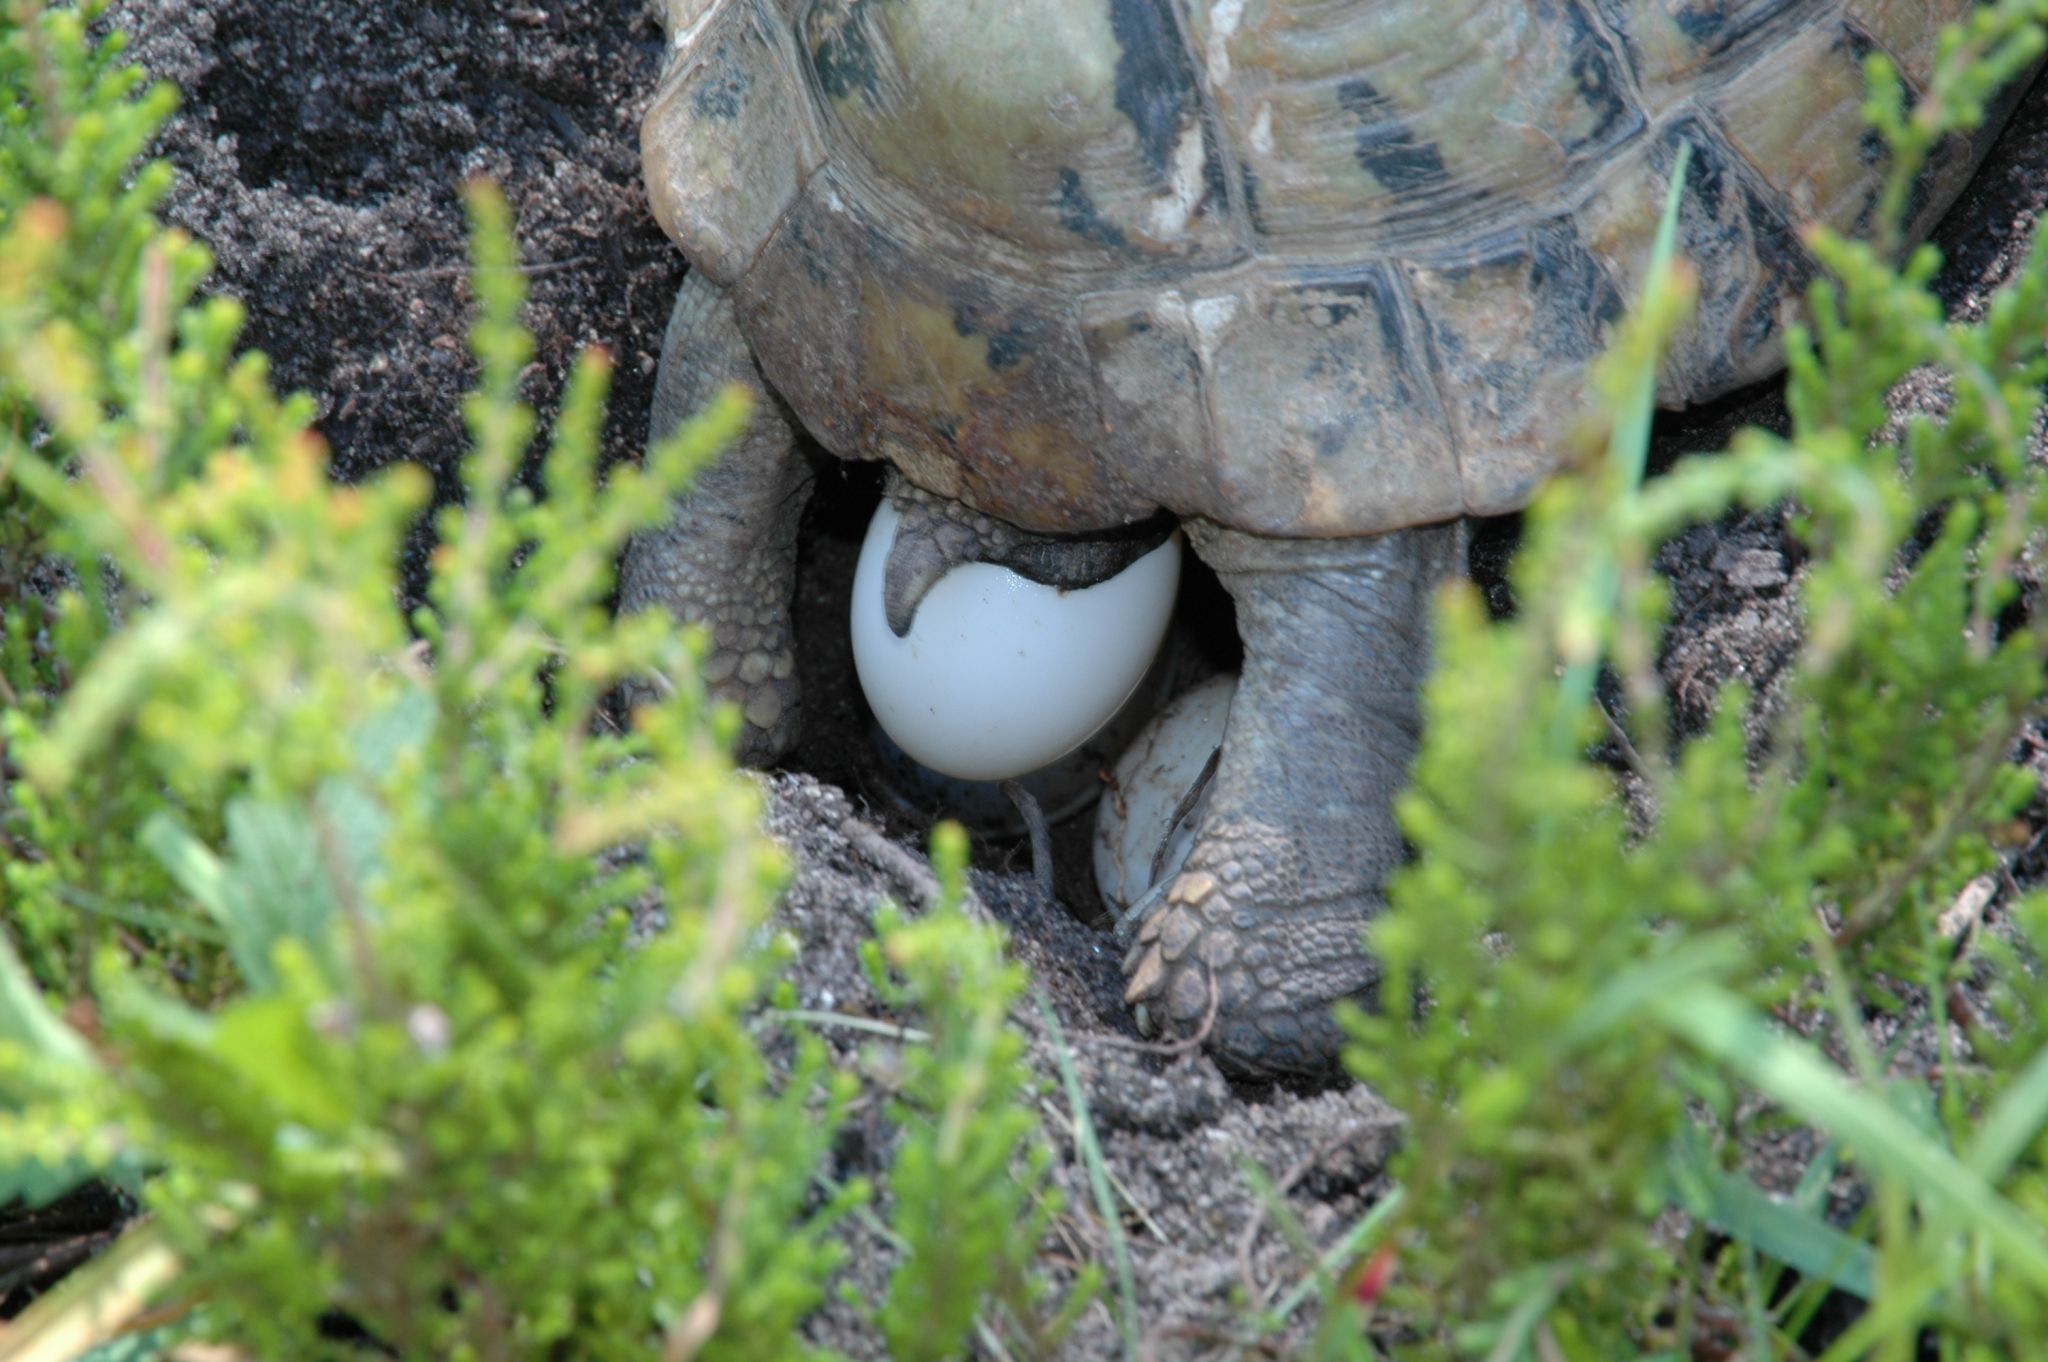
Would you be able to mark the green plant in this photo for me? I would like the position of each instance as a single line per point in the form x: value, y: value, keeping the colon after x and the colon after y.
x: 968, y: 1218
x: 340, y: 902
x: 1551, y: 1068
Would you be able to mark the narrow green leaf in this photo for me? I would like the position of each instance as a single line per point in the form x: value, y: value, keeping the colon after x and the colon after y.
x: 190, y: 862
x: 2013, y: 1123
x: 27, y: 1021
x: 1723, y: 1026
x: 1090, y: 1152
x: 1797, y: 1237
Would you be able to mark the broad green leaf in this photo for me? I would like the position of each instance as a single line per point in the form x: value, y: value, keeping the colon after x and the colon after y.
x: 277, y: 886
x: 1798, y: 1237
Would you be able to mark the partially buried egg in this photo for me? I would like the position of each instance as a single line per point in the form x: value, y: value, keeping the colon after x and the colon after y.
x: 999, y: 674
x: 1162, y: 784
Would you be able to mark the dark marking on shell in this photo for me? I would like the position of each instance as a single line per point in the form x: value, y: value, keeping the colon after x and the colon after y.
x: 1748, y: 253
x: 1368, y: 292
x: 1713, y: 27
x: 809, y: 252
x: 1007, y: 349
x: 1561, y: 268
x: 1153, y: 77
x: 1853, y: 40
x: 1079, y: 215
x: 722, y: 96
x: 1705, y: 171
x: 1927, y: 187
x: 1011, y: 339
x: 1870, y: 147
x: 1248, y: 179
x: 1385, y: 145
x: 1703, y: 21
x: 1215, y: 189
x: 1593, y: 68
x: 1787, y: 267
x: 842, y: 57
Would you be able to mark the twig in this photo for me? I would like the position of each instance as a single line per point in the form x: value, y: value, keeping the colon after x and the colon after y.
x: 1041, y: 838
x: 1629, y: 755
x: 1171, y: 1049
x: 1116, y: 1183
x: 1985, y: 764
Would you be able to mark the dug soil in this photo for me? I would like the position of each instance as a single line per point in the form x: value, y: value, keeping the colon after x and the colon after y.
x: 322, y: 148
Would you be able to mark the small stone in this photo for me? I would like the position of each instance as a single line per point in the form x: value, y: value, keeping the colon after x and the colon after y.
x: 1753, y: 568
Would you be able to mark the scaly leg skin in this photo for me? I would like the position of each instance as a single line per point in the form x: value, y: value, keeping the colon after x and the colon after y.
x: 1266, y: 921
x: 936, y: 535
x: 727, y: 557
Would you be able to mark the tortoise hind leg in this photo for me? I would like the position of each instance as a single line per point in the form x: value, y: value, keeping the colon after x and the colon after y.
x: 1266, y: 920
x: 726, y: 559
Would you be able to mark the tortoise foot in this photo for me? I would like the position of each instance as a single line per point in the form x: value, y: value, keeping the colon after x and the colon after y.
x: 1229, y: 956
x: 1264, y: 928
x: 753, y: 666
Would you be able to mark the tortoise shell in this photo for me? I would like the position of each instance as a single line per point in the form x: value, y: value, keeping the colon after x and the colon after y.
x: 1319, y: 267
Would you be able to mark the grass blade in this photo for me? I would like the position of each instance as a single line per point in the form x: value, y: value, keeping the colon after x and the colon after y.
x: 1731, y: 1031
x: 1090, y: 1152
x: 2013, y: 1122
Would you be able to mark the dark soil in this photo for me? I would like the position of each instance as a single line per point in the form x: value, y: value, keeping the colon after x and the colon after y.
x: 323, y: 146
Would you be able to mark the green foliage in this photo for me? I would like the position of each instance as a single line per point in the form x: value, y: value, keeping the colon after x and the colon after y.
x: 342, y: 901
x: 1594, y: 993
x: 337, y: 904
x: 963, y: 1210
x: 78, y: 239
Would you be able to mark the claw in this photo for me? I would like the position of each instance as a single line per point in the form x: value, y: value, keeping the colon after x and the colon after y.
x: 1148, y: 978
x: 936, y: 535
x: 1188, y: 999
x: 1178, y: 929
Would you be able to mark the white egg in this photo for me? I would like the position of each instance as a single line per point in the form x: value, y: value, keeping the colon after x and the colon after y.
x: 999, y: 674
x: 1135, y: 825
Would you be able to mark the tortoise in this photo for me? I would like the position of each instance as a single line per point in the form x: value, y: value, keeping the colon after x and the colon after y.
x: 1315, y: 278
